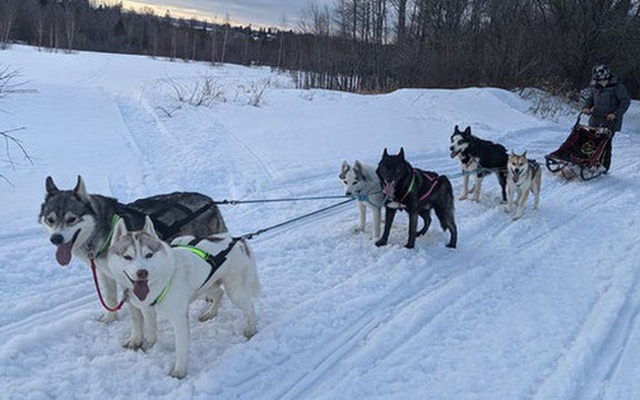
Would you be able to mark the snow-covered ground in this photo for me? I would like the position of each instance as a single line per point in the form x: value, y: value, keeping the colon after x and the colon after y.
x: 545, y: 307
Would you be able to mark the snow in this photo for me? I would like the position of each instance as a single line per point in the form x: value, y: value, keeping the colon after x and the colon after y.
x: 545, y: 307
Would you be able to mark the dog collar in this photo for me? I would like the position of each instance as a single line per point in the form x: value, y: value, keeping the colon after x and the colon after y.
x: 163, y: 293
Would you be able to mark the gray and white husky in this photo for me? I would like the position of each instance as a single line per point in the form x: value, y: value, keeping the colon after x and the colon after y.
x: 524, y: 176
x: 80, y: 224
x: 166, y: 279
x: 361, y: 181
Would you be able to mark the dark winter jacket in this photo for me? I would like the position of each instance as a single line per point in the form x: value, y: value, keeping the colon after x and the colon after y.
x: 612, y: 98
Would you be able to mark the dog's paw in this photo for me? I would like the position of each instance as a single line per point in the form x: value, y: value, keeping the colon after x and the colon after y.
x: 507, y: 209
x: 249, y: 332
x: 409, y: 246
x: 133, y: 343
x: 108, y: 317
x: 517, y: 216
x: 381, y: 242
x: 463, y: 197
x: 358, y: 229
x: 207, y: 315
x: 178, y: 373
x: 148, y: 343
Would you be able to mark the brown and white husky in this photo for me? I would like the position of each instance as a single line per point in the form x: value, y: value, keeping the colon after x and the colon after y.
x: 523, y: 176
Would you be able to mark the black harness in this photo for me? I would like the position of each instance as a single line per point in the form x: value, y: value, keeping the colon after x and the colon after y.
x: 214, y: 261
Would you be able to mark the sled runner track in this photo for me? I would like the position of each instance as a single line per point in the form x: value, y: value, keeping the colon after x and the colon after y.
x: 436, y: 295
x: 43, y: 318
x: 596, y: 349
x: 132, y: 120
x: 262, y: 164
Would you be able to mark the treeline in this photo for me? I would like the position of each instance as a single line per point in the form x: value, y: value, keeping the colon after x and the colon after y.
x: 368, y: 45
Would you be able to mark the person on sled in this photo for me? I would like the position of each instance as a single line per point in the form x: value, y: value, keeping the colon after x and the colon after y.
x: 605, y: 104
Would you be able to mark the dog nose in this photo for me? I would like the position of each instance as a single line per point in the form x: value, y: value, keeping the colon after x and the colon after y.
x: 142, y: 274
x: 348, y: 193
x: 56, y: 239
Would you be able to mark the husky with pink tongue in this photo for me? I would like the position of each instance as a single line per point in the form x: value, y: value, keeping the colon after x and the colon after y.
x: 79, y: 224
x: 166, y: 279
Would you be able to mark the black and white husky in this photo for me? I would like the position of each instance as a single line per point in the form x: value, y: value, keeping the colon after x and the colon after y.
x: 166, y: 279
x: 361, y: 181
x: 80, y: 224
x: 478, y: 157
x: 417, y: 192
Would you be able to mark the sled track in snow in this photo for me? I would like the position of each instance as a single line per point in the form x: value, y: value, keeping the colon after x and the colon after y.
x: 429, y: 295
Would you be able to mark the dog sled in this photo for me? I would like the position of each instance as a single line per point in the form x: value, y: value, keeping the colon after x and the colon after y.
x: 582, y: 153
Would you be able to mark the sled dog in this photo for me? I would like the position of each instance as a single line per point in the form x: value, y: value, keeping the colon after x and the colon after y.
x: 417, y: 192
x: 79, y: 224
x: 166, y: 279
x: 361, y: 181
x: 478, y: 157
x: 524, y: 176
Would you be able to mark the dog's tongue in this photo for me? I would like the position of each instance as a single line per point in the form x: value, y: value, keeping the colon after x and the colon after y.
x: 141, y: 289
x: 389, y: 189
x: 63, y: 253
x: 453, y: 154
x: 516, y: 177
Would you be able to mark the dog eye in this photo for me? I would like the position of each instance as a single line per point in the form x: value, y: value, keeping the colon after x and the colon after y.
x: 51, y: 220
x: 127, y: 257
x: 71, y: 220
x: 148, y: 255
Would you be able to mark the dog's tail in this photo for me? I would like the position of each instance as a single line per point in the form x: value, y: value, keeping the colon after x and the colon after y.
x: 445, y: 209
x: 252, y: 273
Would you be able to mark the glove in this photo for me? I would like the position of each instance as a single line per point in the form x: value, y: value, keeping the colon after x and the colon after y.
x: 611, y: 117
x: 586, y: 111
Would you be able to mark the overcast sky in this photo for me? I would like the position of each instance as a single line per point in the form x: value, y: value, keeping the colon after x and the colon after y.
x: 242, y: 12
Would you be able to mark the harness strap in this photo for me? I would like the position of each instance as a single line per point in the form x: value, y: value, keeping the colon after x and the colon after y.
x: 162, y: 294
x: 432, y: 179
x: 215, y: 262
x: 114, y: 221
x: 173, y: 229
x: 413, y: 181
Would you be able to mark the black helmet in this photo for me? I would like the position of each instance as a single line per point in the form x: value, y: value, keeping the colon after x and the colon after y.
x: 600, y: 73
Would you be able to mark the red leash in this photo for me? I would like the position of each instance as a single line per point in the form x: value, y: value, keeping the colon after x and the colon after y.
x: 95, y: 280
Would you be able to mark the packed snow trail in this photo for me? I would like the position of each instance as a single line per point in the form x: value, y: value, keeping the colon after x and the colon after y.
x: 544, y: 307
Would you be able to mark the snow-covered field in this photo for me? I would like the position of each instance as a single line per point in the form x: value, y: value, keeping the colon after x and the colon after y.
x: 546, y: 307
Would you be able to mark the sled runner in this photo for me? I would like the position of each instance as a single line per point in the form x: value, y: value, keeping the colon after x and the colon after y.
x: 582, y: 153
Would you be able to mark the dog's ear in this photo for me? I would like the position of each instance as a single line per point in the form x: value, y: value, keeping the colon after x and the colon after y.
x: 513, y: 153
x: 524, y: 155
x: 385, y: 153
x: 343, y: 170
x: 81, y: 189
x: 148, y: 227
x: 401, y: 154
x: 467, y: 131
x: 119, y: 231
x: 50, y: 187
x: 358, y: 169
x: 456, y: 129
